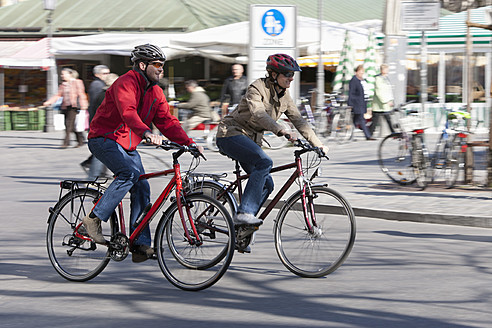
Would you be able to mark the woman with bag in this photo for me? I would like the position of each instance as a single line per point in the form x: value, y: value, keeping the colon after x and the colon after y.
x: 74, y: 99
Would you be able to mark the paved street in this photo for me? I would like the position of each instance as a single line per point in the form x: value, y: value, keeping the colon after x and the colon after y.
x: 401, y: 273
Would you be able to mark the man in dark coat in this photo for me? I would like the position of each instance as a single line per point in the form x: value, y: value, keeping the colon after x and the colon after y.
x: 357, y: 102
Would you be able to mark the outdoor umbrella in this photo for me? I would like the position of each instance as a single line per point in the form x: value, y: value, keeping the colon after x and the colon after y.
x: 370, y: 66
x: 345, y: 68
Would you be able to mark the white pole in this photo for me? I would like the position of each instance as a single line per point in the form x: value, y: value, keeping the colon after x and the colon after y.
x: 320, y: 84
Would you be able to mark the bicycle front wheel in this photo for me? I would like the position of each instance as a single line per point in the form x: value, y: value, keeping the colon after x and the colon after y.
x: 75, y: 258
x: 195, y: 264
x: 319, y: 251
x: 395, y: 160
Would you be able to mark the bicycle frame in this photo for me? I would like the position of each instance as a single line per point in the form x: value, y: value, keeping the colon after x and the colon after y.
x: 175, y: 183
x: 297, y: 174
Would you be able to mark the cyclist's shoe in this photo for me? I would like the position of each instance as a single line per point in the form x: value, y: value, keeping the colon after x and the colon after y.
x: 246, y: 218
x: 142, y: 253
x: 94, y: 230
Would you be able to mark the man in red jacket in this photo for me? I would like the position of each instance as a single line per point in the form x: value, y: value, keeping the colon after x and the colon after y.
x: 131, y: 104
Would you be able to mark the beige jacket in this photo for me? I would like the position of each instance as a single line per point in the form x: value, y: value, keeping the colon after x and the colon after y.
x: 259, y: 110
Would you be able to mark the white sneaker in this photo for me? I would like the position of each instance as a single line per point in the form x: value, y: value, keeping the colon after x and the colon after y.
x: 246, y: 218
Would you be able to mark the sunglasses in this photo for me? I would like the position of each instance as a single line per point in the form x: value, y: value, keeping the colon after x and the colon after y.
x: 157, y: 64
x: 288, y: 74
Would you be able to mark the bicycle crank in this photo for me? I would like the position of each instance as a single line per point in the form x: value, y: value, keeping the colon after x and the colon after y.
x: 119, y: 247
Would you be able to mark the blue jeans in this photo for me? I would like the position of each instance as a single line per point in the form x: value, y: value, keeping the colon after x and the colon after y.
x: 256, y: 163
x: 127, y: 166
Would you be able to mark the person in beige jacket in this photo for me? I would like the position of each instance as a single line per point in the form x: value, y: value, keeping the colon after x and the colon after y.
x: 74, y: 99
x: 382, y: 103
x: 240, y: 133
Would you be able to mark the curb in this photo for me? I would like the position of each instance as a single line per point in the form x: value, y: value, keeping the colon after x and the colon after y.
x: 459, y: 220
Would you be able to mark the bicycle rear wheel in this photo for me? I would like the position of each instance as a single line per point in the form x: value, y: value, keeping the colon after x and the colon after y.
x: 215, y: 190
x: 319, y: 252
x: 395, y: 160
x: 420, y: 162
x: 195, y: 265
x: 75, y: 258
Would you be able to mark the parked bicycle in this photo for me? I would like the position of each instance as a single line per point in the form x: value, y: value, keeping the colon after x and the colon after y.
x: 403, y: 156
x: 194, y: 239
x: 333, y: 120
x: 449, y: 154
x: 314, y: 229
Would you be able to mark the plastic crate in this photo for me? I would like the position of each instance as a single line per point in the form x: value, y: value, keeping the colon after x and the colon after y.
x: 36, y: 119
x: 5, y: 124
x: 20, y: 120
x: 31, y: 119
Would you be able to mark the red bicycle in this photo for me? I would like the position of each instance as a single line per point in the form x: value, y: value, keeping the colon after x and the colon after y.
x: 194, y: 240
x: 314, y: 228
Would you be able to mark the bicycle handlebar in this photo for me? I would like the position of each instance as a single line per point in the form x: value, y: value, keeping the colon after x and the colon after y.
x: 171, y: 145
x: 306, y: 146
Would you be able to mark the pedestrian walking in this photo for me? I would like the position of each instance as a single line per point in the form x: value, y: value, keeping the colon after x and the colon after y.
x: 233, y: 89
x: 72, y: 91
x: 358, y: 102
x: 383, y: 100
x: 95, y: 88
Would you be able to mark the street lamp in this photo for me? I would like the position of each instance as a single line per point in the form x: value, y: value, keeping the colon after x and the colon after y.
x: 52, y: 76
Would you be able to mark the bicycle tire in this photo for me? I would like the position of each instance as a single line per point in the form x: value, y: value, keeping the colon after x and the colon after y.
x: 343, y: 130
x: 196, y: 266
x: 321, y: 252
x: 438, y: 159
x: 420, y: 162
x: 214, y: 189
x: 395, y: 160
x: 321, y: 124
x: 76, y: 259
x: 454, y: 163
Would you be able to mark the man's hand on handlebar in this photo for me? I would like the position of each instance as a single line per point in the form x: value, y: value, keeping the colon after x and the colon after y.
x: 154, y: 139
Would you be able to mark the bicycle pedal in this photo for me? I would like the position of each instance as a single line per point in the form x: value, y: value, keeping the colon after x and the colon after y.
x: 247, y: 250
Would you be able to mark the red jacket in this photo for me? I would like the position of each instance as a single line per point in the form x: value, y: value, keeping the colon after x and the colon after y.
x: 128, y: 109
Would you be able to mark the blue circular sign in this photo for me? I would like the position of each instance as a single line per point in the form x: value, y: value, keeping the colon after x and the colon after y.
x: 273, y: 22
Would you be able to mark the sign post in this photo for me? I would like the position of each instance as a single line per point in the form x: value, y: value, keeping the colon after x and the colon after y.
x: 273, y: 29
x: 421, y: 16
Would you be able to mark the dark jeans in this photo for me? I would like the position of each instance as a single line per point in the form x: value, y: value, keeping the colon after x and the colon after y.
x: 127, y: 166
x: 360, y: 121
x: 255, y: 162
x: 70, y: 114
x: 376, y: 117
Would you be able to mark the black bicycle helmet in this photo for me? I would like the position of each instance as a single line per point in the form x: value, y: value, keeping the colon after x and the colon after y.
x: 147, y: 52
x: 282, y: 63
